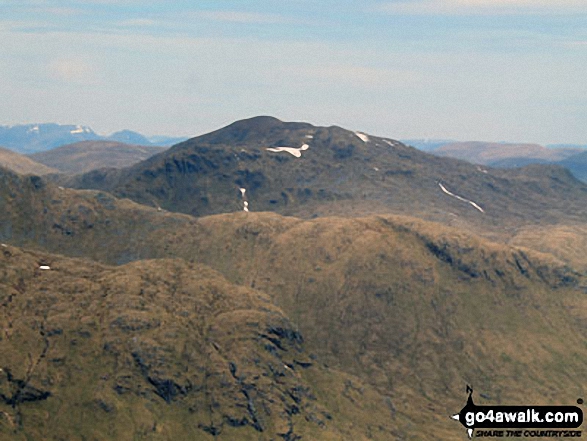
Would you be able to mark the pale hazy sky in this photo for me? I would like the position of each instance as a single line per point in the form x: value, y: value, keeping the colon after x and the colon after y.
x: 490, y: 70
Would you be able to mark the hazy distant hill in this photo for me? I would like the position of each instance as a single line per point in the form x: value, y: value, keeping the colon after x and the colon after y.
x: 427, y: 145
x: 330, y: 170
x: 22, y: 164
x: 31, y: 138
x: 504, y: 155
x: 256, y: 326
x: 571, y: 146
x: 90, y: 155
x: 577, y: 164
x: 129, y: 137
x: 489, y: 153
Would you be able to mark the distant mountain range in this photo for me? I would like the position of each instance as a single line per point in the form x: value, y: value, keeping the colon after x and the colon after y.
x: 32, y: 138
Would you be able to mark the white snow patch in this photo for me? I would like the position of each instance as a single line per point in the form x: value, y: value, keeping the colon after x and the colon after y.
x: 61, y: 188
x: 291, y: 150
x: 78, y: 129
x: 481, y: 169
x: 33, y: 129
x: 391, y: 143
x: 310, y: 136
x: 44, y: 267
x: 477, y: 206
x: 460, y: 198
x: 243, y: 191
x: 375, y: 168
x: 362, y: 136
x: 246, y: 209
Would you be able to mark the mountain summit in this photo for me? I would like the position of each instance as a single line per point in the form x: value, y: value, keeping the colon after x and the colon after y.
x: 298, y: 169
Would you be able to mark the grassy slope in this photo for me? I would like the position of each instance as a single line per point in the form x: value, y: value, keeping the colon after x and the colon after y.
x: 413, y: 308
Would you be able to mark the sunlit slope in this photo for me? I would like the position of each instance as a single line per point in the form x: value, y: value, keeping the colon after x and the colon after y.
x: 22, y: 164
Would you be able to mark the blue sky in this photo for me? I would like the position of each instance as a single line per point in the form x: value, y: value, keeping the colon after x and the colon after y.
x: 490, y: 70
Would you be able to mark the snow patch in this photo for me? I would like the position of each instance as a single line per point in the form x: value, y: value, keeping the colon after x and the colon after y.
x: 375, y: 168
x: 362, y: 136
x: 291, y: 150
x: 460, y: 198
x: 310, y: 136
x: 44, y: 267
x: 33, y: 129
x: 78, y: 129
x: 245, y: 202
x: 391, y: 143
x: 482, y: 170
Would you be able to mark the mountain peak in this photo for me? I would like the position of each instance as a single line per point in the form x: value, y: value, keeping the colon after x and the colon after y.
x: 258, y: 127
x: 262, y: 122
